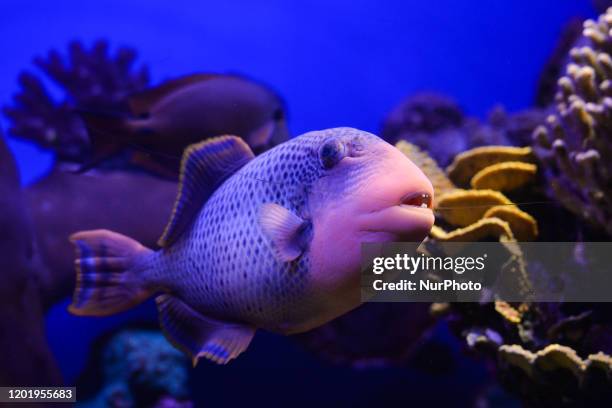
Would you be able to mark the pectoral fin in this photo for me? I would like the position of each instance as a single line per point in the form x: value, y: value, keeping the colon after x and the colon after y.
x: 285, y: 229
x: 201, y: 336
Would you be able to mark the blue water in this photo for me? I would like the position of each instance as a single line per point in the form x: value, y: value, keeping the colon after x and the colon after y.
x: 336, y: 63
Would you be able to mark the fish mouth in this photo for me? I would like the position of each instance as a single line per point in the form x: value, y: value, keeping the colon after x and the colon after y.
x: 420, y: 199
x: 410, y: 219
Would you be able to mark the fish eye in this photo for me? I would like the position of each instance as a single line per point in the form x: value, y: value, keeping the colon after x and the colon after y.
x: 331, y: 152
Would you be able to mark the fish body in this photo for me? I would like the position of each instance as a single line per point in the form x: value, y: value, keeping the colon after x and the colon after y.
x: 166, y: 119
x: 274, y: 244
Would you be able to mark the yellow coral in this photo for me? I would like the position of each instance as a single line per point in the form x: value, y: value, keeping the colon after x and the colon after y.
x: 485, y: 213
x: 517, y: 356
x: 506, y: 176
x: 599, y: 361
x: 508, y: 312
x: 479, y: 230
x: 467, y: 164
x: 523, y: 225
x: 465, y: 207
x: 441, y: 183
x: 439, y: 309
x: 556, y: 356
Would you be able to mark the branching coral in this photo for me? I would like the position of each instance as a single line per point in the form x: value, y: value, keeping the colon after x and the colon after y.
x: 575, y: 144
x: 436, y: 124
x: 90, y: 79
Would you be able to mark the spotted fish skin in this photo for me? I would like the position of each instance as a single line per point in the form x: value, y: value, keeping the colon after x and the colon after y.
x: 271, y: 242
x: 225, y: 265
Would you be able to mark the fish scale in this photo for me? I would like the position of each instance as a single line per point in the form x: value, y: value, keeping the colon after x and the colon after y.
x: 271, y: 242
x: 256, y: 288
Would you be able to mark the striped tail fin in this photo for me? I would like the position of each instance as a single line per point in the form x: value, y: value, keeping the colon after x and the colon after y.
x: 109, y: 273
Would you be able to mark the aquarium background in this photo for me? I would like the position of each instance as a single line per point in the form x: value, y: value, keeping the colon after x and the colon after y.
x: 335, y: 63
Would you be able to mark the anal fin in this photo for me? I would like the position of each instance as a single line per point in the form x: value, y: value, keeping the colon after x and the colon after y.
x: 200, y: 336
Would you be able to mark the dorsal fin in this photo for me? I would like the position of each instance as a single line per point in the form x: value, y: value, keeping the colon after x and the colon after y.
x: 141, y: 102
x: 204, y: 167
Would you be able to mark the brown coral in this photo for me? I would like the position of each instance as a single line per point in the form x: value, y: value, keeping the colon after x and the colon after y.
x: 477, y: 231
x: 465, y: 207
x: 491, y: 169
x: 510, y: 313
x: 574, y: 144
x: 91, y: 79
x: 523, y: 225
x: 556, y: 374
x: 465, y: 165
x: 506, y: 176
x: 469, y: 208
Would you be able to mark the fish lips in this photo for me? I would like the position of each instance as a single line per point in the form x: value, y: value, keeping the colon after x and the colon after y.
x: 403, y: 222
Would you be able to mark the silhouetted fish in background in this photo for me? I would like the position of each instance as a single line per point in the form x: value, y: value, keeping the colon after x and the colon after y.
x: 271, y: 242
x: 166, y: 119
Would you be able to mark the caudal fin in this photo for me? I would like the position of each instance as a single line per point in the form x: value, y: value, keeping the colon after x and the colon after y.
x: 109, y: 273
x: 108, y: 134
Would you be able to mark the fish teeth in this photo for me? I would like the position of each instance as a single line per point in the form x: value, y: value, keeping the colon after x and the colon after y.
x: 424, y: 205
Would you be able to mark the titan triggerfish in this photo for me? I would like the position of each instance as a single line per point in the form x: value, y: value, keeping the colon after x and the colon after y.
x: 272, y: 242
